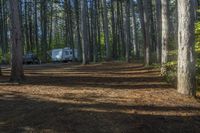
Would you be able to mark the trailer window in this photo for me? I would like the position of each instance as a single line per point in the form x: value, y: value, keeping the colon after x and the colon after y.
x: 66, y: 53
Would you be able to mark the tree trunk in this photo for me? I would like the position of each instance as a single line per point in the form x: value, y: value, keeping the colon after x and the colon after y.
x: 158, y: 30
x: 1, y: 32
x: 26, y: 27
x: 106, y: 30
x: 147, y: 23
x: 17, y: 73
x: 165, y: 35
x: 186, y: 40
x: 99, y: 31
x: 94, y: 31
x: 36, y: 29
x: 51, y: 24
x: 71, y: 30
x: 122, y: 36
x: 44, y: 29
x: 127, y: 28
x: 78, y: 29
x: 84, y: 32
x: 5, y: 29
x: 134, y: 32
x: 114, y: 35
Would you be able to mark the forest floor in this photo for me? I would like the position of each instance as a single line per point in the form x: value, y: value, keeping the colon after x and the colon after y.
x: 98, y: 98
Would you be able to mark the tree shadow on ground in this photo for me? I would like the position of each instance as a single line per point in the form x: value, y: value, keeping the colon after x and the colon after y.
x: 86, y: 112
x: 22, y: 113
x: 99, y: 82
x: 114, y: 76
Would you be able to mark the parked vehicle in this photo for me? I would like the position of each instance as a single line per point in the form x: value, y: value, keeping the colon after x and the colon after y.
x: 68, y: 54
x: 56, y: 55
x: 63, y: 55
x: 30, y: 58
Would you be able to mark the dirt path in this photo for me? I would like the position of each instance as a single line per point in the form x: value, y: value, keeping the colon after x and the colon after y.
x: 102, y: 98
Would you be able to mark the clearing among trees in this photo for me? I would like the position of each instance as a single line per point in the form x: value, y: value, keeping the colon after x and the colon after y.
x: 108, y: 98
x: 104, y: 94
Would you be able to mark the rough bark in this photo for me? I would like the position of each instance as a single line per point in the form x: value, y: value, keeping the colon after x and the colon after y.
x: 26, y: 27
x: 99, y: 31
x: 36, y: 28
x: 30, y: 25
x: 106, y: 30
x: 186, y: 60
x: 71, y: 31
x: 114, y: 34
x: 141, y: 15
x: 158, y: 30
x: 95, y: 32
x: 134, y: 32
x: 51, y: 24
x: 44, y: 43
x: 165, y: 35
x: 127, y: 30
x: 78, y: 29
x: 147, y: 23
x: 1, y: 32
x: 84, y: 31
x: 17, y: 73
x: 122, y: 31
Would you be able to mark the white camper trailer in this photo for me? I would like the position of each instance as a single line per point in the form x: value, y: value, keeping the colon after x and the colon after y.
x: 56, y: 55
x: 66, y: 54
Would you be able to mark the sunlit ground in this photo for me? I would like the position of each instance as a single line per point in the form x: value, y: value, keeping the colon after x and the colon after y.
x: 103, y: 98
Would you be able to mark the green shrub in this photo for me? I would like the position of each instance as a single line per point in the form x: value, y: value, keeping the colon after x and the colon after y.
x: 171, y: 75
x: 197, y: 49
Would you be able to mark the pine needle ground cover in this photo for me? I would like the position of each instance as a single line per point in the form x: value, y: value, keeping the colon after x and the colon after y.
x: 98, y: 98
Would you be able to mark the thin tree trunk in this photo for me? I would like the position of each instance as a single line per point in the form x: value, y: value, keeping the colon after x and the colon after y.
x: 26, y: 27
x: 44, y: 29
x: 71, y: 30
x: 99, y: 30
x: 84, y: 31
x: 114, y: 35
x: 95, y: 32
x: 127, y: 28
x: 134, y: 32
x: 141, y: 13
x: 30, y: 26
x: 89, y: 38
x: 165, y: 35
x: 158, y: 30
x: 122, y: 37
x: 36, y: 29
x: 106, y: 30
x: 5, y: 28
x: 147, y: 23
x: 51, y: 25
x: 78, y: 29
x: 118, y: 30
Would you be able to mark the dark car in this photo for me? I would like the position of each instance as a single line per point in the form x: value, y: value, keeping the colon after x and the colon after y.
x: 30, y: 58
